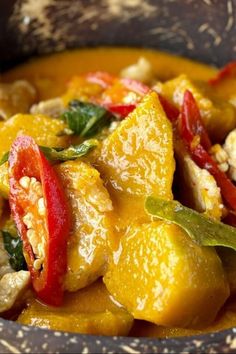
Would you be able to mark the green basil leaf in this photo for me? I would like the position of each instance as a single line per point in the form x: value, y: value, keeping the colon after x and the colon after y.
x: 203, y: 230
x: 14, y: 248
x: 4, y: 158
x: 71, y: 153
x: 86, y: 119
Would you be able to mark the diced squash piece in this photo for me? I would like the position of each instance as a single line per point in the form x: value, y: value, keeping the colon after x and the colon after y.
x: 4, y: 180
x: 89, y: 311
x: 92, y: 230
x: 218, y: 115
x: 228, y: 257
x: 161, y: 276
x: 79, y: 88
x: 225, y: 319
x: 137, y: 158
x: 42, y: 128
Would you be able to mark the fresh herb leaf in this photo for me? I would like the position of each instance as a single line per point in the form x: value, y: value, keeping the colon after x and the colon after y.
x: 203, y: 230
x: 4, y: 158
x: 71, y: 153
x: 14, y: 248
x: 86, y: 119
x: 60, y: 154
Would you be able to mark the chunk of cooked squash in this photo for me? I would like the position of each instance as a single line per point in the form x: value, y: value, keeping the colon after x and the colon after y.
x: 4, y: 181
x: 90, y: 310
x: 137, y: 158
x: 161, y: 276
x: 92, y: 230
x: 218, y: 115
x: 42, y: 128
x: 228, y: 257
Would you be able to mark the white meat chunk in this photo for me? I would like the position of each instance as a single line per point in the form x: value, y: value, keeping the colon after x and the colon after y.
x: 12, y: 287
x: 230, y: 149
x: 17, y: 97
x: 141, y: 71
x: 51, y: 108
x: 4, y: 260
x: 201, y: 189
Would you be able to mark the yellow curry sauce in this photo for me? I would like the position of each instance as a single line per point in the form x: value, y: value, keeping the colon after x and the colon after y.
x: 92, y: 309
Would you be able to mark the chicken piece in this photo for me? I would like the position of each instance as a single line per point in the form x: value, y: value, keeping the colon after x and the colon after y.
x: 17, y: 97
x: 141, y: 71
x: 220, y: 156
x: 218, y: 115
x: 51, y: 108
x: 198, y: 187
x: 160, y: 275
x: 90, y: 310
x: 4, y: 260
x: 92, y: 224
x: 230, y: 149
x: 12, y: 286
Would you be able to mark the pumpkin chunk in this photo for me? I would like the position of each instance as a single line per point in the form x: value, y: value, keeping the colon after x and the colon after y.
x: 42, y: 128
x: 137, y: 158
x: 92, y: 219
x: 218, y: 115
x: 161, y: 276
x: 89, y: 311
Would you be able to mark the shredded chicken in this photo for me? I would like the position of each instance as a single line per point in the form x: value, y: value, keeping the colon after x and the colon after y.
x: 141, y: 71
x: 12, y: 287
x: 52, y: 108
x: 17, y: 97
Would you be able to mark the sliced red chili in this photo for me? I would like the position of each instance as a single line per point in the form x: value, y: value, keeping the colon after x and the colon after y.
x: 121, y: 110
x: 227, y: 71
x: 188, y: 130
x: 101, y: 78
x: 135, y: 86
x: 191, y: 121
x: 170, y: 110
x: 32, y: 177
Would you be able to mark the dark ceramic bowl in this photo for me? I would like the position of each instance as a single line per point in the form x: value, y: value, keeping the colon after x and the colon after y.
x: 200, y: 29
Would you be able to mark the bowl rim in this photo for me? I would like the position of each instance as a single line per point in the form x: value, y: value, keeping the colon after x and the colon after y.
x: 13, y: 336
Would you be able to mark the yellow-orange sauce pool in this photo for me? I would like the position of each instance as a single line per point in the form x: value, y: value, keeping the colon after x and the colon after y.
x: 50, y: 75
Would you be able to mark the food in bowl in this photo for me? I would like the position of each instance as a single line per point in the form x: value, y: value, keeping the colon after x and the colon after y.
x: 118, y: 202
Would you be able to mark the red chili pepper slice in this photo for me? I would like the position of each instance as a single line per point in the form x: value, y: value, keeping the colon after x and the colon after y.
x: 170, y: 110
x: 101, y: 78
x: 135, y: 86
x: 191, y: 121
x: 49, y: 228
x: 121, y: 109
x: 227, y: 71
x: 188, y: 130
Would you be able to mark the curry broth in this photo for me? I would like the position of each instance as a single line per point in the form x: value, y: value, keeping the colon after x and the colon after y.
x: 50, y: 75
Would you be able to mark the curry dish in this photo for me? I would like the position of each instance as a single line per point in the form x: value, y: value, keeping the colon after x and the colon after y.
x: 117, y: 194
